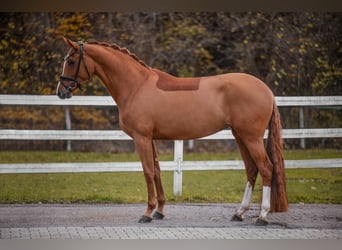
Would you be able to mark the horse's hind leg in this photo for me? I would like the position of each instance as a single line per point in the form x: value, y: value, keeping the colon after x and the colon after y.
x: 252, y: 172
x: 257, y: 152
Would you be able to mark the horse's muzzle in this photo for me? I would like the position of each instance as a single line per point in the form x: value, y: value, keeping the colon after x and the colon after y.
x: 63, y: 92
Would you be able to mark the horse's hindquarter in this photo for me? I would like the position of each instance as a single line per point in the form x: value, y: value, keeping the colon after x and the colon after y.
x: 250, y: 102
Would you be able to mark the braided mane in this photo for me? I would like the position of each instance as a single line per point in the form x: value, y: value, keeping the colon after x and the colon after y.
x: 122, y: 50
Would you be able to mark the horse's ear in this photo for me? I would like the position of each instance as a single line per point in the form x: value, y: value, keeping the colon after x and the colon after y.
x: 70, y: 43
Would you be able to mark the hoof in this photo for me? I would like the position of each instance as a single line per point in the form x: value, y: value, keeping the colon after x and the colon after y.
x: 158, y: 216
x: 236, y: 218
x: 261, y: 222
x: 145, y: 219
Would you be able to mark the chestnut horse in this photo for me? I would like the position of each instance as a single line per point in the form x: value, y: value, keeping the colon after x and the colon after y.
x: 155, y: 105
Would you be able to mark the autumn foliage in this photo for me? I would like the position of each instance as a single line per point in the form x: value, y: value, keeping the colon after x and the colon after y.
x: 295, y: 53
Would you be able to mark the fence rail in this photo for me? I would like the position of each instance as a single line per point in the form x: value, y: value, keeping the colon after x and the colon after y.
x: 178, y: 165
x: 86, y: 167
x: 48, y: 100
x: 22, y: 134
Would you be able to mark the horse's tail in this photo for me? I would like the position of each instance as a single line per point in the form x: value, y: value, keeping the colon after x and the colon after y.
x: 274, y: 149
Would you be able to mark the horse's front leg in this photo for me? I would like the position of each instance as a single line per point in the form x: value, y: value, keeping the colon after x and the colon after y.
x: 159, y: 186
x: 145, y: 151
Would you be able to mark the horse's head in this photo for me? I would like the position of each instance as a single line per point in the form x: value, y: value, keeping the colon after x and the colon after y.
x: 78, y: 68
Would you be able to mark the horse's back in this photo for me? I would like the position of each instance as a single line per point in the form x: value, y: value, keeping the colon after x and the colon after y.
x: 242, y: 84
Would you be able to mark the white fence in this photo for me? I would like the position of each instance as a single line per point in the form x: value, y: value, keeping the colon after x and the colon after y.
x: 178, y: 165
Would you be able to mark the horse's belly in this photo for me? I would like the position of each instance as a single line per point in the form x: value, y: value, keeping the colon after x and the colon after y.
x: 188, y: 126
x: 182, y: 134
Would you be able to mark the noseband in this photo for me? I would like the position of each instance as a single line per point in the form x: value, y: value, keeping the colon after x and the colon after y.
x: 75, y: 83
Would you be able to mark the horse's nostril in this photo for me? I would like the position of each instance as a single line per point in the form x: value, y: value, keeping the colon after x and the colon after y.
x: 60, y: 95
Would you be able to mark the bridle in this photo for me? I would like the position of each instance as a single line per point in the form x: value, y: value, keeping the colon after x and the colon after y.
x: 74, y: 82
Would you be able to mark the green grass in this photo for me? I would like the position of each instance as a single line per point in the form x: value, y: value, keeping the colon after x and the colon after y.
x: 303, y: 185
x: 51, y: 156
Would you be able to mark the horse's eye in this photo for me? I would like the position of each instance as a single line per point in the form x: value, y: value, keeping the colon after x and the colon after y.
x: 71, y: 63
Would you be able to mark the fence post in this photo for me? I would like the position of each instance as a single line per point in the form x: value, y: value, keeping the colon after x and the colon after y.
x: 191, y: 144
x: 301, y: 125
x: 67, y: 125
x: 177, y: 174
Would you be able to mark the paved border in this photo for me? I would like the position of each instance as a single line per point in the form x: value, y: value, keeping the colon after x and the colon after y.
x: 165, y: 233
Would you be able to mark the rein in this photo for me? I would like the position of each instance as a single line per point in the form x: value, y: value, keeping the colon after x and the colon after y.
x: 74, y: 82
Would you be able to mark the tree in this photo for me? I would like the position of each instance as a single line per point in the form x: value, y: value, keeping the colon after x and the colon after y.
x: 294, y: 53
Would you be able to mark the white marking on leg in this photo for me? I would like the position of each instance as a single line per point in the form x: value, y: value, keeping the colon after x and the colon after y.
x: 266, y: 202
x: 246, y: 199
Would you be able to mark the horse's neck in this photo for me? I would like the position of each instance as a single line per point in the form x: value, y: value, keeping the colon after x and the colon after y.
x: 119, y: 72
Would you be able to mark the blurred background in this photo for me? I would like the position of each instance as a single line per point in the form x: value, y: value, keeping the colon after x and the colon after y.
x: 296, y: 54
